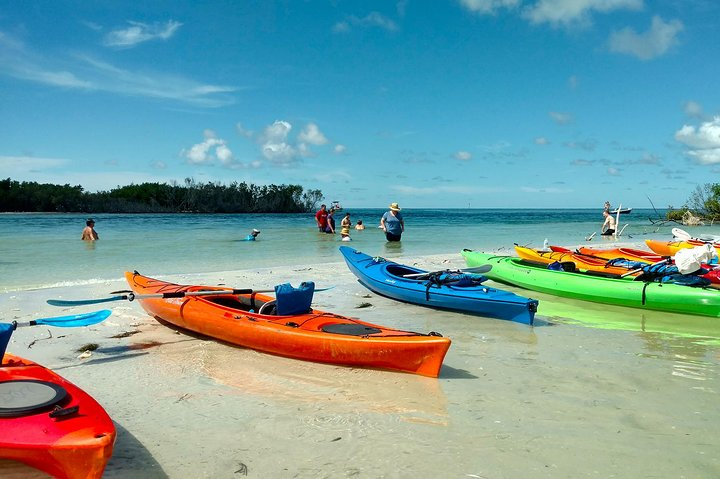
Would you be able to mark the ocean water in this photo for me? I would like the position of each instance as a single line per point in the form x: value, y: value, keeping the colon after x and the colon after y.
x: 43, y: 250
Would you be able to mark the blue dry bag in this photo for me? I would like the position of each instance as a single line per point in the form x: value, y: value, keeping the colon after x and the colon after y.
x: 290, y: 300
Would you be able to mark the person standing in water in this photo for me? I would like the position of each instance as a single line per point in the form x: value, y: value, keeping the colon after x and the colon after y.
x: 89, y: 233
x: 392, y: 223
x: 608, y: 227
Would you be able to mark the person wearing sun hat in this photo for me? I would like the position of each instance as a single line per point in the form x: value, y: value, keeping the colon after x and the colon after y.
x: 252, y: 235
x: 392, y: 223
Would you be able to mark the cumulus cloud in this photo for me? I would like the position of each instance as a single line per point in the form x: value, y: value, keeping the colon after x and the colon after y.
x: 693, y: 109
x: 613, y: 171
x: 463, y: 156
x: 311, y: 134
x: 555, y: 12
x: 703, y: 142
x: 567, y: 12
x: 651, y: 44
x: 488, y: 7
x: 372, y: 19
x: 561, y: 118
x: 340, y: 149
x: 208, y: 151
x: 139, y: 32
x: 541, y: 140
x: 274, y: 144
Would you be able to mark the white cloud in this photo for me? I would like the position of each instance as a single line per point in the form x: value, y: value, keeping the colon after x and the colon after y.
x: 242, y: 131
x: 139, y: 32
x: 463, y: 156
x: 205, y: 153
x: 488, y: 7
x: 274, y: 145
x: 373, y: 19
x: 613, y: 171
x: 333, y: 176
x: 541, y: 140
x: 693, y: 109
x: 561, y: 118
x: 651, y: 44
x: 13, y: 166
x: 311, y: 134
x: 703, y: 142
x: 567, y: 12
x: 340, y: 149
x: 82, y: 72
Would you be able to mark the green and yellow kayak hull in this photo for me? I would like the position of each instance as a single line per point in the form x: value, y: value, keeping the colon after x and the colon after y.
x: 619, y: 291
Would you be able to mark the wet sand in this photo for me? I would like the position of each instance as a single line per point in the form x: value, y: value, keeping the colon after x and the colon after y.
x: 571, y: 397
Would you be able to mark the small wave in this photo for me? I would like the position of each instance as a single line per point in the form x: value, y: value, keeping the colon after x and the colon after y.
x: 60, y: 284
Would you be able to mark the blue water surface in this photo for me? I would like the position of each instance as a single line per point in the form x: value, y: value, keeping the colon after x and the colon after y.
x: 40, y: 250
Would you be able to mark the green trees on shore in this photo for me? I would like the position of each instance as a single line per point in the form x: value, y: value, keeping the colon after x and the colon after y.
x: 703, y: 203
x: 190, y: 197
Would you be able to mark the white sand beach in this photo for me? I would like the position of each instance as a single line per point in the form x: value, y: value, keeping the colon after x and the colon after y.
x: 558, y: 400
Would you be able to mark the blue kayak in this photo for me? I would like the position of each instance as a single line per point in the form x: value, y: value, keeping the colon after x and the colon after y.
x: 453, y: 290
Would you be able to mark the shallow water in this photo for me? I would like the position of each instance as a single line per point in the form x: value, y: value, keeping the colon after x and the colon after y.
x: 40, y: 250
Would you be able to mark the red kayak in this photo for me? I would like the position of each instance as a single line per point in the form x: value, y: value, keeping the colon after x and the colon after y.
x: 50, y: 424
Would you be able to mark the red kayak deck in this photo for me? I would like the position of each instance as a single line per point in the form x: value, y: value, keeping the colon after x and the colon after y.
x: 69, y: 435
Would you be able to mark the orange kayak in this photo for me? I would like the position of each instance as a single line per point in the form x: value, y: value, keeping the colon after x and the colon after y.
x: 313, y: 336
x: 627, y: 253
x: 583, y: 263
x: 50, y: 424
x: 670, y: 248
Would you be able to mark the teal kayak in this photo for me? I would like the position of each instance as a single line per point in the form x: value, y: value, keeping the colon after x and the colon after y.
x: 600, y: 289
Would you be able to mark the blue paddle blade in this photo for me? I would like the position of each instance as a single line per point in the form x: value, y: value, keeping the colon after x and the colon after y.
x: 74, y: 321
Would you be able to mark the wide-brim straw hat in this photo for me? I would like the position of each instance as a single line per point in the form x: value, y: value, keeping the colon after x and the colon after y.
x: 394, y: 207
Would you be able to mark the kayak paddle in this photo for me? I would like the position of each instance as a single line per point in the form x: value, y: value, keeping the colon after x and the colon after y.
x: 477, y: 270
x: 73, y: 321
x: 177, y: 294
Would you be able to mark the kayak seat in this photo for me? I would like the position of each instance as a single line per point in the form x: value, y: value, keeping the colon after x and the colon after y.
x: 350, y: 329
x: 29, y: 396
x: 290, y: 300
x: 400, y: 270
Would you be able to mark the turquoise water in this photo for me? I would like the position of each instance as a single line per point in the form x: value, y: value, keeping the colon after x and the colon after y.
x: 41, y: 250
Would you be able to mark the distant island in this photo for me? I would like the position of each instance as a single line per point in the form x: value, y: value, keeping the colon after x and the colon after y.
x: 190, y: 197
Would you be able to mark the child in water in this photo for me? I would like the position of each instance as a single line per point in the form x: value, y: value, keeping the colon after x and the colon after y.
x: 253, y: 235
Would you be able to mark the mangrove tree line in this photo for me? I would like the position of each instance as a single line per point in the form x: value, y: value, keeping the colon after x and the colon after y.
x: 29, y: 196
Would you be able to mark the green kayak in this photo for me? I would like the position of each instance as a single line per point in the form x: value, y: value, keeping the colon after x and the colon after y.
x: 620, y: 291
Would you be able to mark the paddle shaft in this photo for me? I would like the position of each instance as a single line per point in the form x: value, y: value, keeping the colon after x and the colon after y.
x: 645, y: 266
x: 477, y: 270
x: 175, y: 294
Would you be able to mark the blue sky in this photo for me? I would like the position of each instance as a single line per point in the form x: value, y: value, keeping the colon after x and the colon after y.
x: 486, y: 103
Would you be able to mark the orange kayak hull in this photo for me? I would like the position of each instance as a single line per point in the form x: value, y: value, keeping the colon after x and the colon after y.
x: 315, y: 336
x: 670, y: 248
x: 583, y: 263
x: 627, y: 253
x: 76, y: 446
